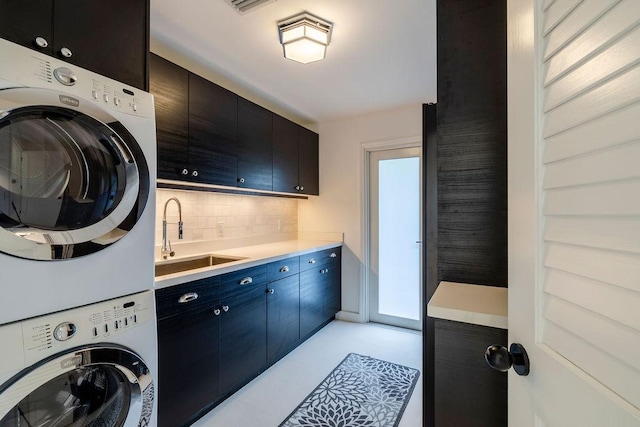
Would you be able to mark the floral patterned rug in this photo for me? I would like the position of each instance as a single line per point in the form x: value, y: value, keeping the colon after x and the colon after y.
x: 361, y: 391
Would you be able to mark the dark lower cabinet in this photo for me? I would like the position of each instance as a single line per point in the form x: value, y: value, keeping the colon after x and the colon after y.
x: 243, y: 327
x: 188, y: 351
x: 283, y: 316
x: 320, y: 290
x: 217, y: 334
x: 108, y: 37
x: 468, y: 392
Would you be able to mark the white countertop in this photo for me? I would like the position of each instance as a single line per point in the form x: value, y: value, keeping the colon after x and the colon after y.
x: 252, y: 256
x: 475, y: 304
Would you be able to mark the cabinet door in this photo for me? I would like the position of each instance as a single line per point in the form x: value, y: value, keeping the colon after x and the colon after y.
x: 283, y: 316
x: 108, y: 38
x: 255, y: 133
x: 285, y: 155
x: 243, y: 330
x: 311, y: 301
x: 169, y: 85
x: 188, y: 352
x: 22, y: 21
x: 213, y: 129
x: 332, y: 291
x: 308, y: 168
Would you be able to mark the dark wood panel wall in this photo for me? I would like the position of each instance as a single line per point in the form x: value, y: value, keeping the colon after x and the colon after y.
x: 472, y: 146
x: 465, y: 180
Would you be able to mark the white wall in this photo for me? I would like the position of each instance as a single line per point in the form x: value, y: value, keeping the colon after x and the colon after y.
x: 339, y: 207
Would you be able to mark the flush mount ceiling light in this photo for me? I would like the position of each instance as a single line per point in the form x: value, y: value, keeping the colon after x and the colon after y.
x: 305, y: 37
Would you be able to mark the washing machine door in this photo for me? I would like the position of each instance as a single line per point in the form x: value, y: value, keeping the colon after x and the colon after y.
x: 107, y: 386
x: 73, y: 180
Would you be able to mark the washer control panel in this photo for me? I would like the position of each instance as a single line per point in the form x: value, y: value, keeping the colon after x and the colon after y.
x: 50, y: 334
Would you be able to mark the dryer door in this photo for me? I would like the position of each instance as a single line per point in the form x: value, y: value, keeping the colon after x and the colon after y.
x: 106, y: 386
x: 73, y: 180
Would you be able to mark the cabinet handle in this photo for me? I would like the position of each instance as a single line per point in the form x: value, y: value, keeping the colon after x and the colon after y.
x: 41, y: 42
x: 194, y: 173
x: 324, y: 271
x: 297, y: 188
x: 312, y: 261
x: 241, y: 180
x: 188, y: 297
x: 216, y: 311
x: 246, y: 281
x: 225, y: 308
x: 333, y: 255
x: 66, y: 52
x: 184, y: 172
x: 284, y: 269
x: 271, y: 291
x: 301, y: 188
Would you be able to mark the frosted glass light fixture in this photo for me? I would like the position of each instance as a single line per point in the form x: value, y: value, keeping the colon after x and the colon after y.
x: 305, y: 37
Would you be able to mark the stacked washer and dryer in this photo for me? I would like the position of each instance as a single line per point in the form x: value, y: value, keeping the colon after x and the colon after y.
x: 77, y: 212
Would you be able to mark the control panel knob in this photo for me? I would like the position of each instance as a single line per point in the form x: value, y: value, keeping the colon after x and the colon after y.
x: 65, y: 76
x: 41, y: 42
x: 66, y: 52
x: 64, y: 331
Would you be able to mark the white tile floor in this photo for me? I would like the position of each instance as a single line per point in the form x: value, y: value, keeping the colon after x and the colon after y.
x: 269, y: 399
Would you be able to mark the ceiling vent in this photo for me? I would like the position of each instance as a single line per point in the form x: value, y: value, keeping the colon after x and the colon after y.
x: 244, y: 6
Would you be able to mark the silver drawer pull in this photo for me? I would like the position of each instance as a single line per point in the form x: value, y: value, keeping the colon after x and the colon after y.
x: 333, y: 255
x: 271, y: 291
x: 246, y: 281
x: 312, y: 261
x: 324, y: 271
x: 284, y: 269
x: 225, y: 308
x: 216, y: 311
x: 188, y: 297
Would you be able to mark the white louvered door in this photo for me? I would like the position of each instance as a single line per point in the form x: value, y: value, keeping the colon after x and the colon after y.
x: 574, y: 211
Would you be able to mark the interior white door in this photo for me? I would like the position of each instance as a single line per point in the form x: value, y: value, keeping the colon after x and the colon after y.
x: 395, y: 290
x: 574, y: 211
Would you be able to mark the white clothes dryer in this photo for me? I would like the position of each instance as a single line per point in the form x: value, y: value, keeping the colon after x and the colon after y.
x: 77, y: 186
x: 90, y: 366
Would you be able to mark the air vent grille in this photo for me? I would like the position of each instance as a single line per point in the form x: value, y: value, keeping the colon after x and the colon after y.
x: 243, y: 6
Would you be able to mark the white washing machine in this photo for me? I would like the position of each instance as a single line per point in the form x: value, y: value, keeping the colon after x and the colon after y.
x: 89, y: 366
x: 77, y: 186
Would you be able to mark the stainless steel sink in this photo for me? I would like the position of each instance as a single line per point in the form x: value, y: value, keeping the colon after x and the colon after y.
x: 171, y: 266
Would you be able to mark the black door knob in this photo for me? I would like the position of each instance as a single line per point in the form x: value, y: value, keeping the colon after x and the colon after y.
x: 501, y: 359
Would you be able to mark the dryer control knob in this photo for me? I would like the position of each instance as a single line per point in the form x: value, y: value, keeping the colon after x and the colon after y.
x: 65, y: 76
x: 64, y: 331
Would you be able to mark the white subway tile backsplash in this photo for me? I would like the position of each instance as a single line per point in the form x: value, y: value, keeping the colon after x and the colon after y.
x: 243, y: 216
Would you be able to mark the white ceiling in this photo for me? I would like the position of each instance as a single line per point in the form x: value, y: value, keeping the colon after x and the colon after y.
x: 382, y: 52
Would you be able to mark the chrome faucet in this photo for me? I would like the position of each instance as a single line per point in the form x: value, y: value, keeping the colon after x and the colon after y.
x: 166, y: 244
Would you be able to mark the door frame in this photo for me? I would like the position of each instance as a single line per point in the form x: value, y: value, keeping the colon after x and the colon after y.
x: 366, y: 148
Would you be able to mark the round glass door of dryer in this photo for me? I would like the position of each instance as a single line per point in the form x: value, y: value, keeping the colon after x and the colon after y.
x: 105, y: 387
x: 73, y: 180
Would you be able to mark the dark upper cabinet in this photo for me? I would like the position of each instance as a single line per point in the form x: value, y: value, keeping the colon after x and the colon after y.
x: 169, y: 84
x: 255, y: 134
x: 295, y: 158
x: 110, y: 38
x: 308, y: 171
x: 285, y: 155
x: 23, y: 21
x: 210, y: 135
x: 213, y: 131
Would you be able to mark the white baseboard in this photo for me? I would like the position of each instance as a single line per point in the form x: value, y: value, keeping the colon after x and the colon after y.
x: 349, y: 316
